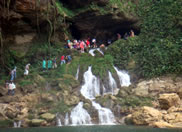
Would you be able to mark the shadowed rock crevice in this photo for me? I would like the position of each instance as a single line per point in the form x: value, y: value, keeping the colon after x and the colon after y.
x: 93, y: 24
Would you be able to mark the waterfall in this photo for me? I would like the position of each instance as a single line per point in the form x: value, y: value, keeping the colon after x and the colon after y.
x: 17, y: 124
x: 66, y: 120
x: 59, y: 122
x: 92, y: 51
x: 79, y: 116
x: 77, y: 73
x: 112, y: 84
x: 106, y: 117
x: 124, y: 78
x: 91, y: 88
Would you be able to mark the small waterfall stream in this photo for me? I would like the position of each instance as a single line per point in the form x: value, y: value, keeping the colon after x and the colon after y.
x: 124, y: 78
x: 112, y: 83
x: 77, y: 73
x: 66, y: 120
x: 92, y: 51
x: 79, y: 116
x: 17, y: 124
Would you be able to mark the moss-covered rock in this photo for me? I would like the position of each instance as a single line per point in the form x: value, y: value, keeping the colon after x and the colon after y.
x: 48, y: 116
x: 38, y: 122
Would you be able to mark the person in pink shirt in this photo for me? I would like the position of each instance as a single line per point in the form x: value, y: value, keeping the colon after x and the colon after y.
x: 82, y: 46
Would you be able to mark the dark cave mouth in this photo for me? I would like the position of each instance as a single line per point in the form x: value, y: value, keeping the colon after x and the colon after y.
x: 102, y: 35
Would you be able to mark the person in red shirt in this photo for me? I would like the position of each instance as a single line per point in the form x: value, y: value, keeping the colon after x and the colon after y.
x: 88, y: 42
x: 62, y: 60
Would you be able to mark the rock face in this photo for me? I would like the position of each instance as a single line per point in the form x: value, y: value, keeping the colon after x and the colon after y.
x: 38, y: 122
x: 146, y: 115
x: 157, y: 86
x: 168, y: 100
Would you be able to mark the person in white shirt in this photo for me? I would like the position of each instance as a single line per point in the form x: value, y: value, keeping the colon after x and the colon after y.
x: 11, y: 88
x: 26, y: 70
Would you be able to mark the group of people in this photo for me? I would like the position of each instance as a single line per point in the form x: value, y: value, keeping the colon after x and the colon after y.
x: 10, y: 85
x: 52, y: 64
x: 81, y: 44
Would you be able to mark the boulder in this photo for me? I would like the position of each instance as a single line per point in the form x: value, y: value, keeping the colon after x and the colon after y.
x: 141, y: 89
x: 3, y: 91
x: 180, y: 92
x: 168, y: 100
x: 161, y: 124
x: 146, y: 115
x: 38, y: 122
x: 173, y: 117
x: 47, y: 116
x: 71, y: 100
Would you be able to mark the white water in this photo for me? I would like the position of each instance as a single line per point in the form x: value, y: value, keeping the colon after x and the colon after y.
x: 77, y: 73
x: 59, y: 122
x: 66, y: 120
x: 79, y: 116
x: 124, y: 78
x: 17, y: 124
x: 106, y: 117
x: 92, y: 51
x: 112, y: 84
x: 91, y: 88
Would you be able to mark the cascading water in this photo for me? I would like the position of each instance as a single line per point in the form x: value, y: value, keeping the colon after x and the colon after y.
x: 66, y: 120
x: 77, y: 73
x: 58, y: 120
x: 124, y: 78
x: 92, y: 51
x: 112, y: 84
x: 17, y: 124
x: 91, y: 88
x: 79, y: 116
x: 106, y: 117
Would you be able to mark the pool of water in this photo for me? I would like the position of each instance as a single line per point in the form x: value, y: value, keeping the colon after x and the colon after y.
x: 90, y: 129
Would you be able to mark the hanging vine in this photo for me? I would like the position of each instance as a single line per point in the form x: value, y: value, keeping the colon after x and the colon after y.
x: 8, y: 6
x: 37, y: 6
x: 50, y: 24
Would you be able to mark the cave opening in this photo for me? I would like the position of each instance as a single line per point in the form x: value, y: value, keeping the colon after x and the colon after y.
x: 101, y: 34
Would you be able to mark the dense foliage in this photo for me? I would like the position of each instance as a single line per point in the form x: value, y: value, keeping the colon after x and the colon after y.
x: 158, y: 49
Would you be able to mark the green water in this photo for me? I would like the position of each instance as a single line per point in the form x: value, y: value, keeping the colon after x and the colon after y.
x: 90, y: 129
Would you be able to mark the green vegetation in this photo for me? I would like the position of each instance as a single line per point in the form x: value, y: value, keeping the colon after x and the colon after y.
x: 5, y: 123
x: 64, y: 11
x: 134, y: 101
x: 157, y: 50
x: 100, y: 65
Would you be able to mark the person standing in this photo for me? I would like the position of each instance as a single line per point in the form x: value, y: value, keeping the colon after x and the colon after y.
x: 13, y: 74
x: 54, y: 63
x: 11, y: 88
x: 132, y: 34
x: 44, y: 64
x: 27, y: 69
x: 94, y: 43
x: 49, y: 64
x: 63, y: 59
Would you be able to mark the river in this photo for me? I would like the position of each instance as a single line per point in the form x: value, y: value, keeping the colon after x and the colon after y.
x: 115, y: 128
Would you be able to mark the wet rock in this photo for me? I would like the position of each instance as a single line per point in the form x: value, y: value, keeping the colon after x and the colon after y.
x: 47, y: 116
x: 146, y: 115
x: 128, y: 119
x: 168, y: 100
